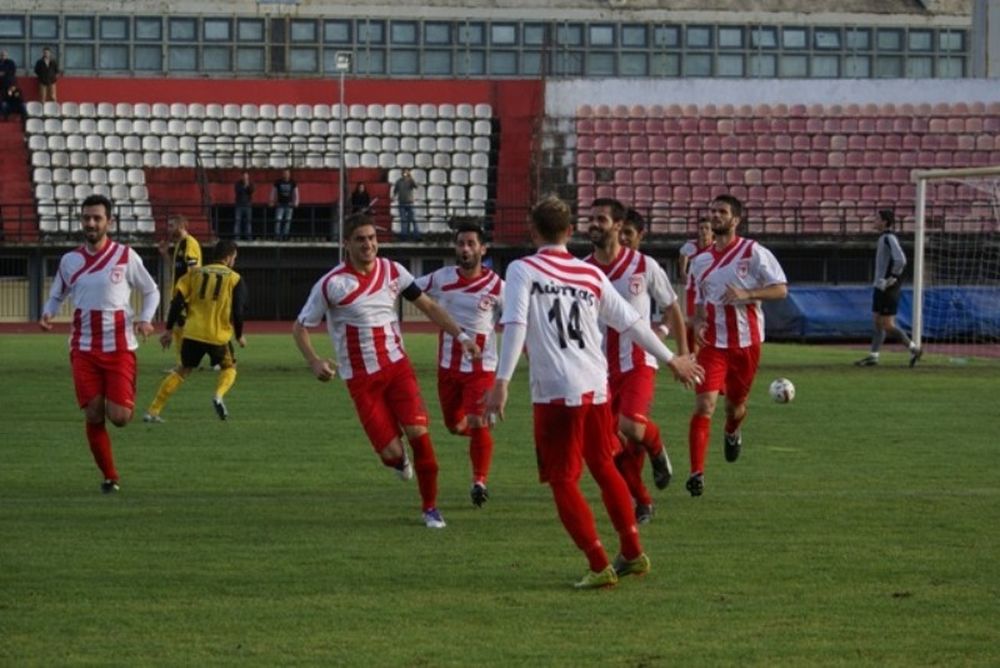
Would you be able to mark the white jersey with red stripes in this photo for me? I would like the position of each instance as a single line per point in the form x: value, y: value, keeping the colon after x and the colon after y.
x: 475, y: 304
x: 561, y: 300
x: 100, y: 286
x: 641, y: 281
x: 360, y: 311
x: 689, y: 249
x: 745, y: 264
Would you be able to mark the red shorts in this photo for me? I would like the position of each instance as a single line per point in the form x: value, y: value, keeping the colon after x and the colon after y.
x: 461, y: 393
x: 632, y: 393
x: 111, y: 375
x: 729, y: 370
x: 386, y: 400
x: 566, y: 436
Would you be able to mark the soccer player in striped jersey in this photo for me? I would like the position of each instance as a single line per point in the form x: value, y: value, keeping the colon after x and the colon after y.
x: 213, y: 297
x: 688, y: 250
x: 99, y: 277
x: 358, y: 300
x: 731, y: 279
x: 554, y: 303
x: 186, y: 255
x: 471, y: 293
x: 641, y: 281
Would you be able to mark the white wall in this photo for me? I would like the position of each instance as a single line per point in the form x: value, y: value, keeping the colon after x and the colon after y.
x: 563, y: 97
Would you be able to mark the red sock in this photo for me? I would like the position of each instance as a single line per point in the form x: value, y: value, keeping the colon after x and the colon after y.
x: 480, y: 453
x: 426, y: 467
x: 732, y: 424
x: 578, y: 520
x: 618, y: 503
x: 100, y: 447
x: 629, y: 463
x: 698, y: 433
x: 651, y: 439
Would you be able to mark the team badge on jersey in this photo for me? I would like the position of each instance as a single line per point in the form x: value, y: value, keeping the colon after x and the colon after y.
x: 394, y: 287
x: 743, y: 268
x: 636, y: 285
x: 487, y: 302
x: 117, y: 275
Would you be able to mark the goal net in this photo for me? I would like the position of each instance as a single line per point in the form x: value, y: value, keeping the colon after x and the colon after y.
x: 956, y: 274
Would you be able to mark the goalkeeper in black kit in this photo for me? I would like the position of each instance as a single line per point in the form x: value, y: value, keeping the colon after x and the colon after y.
x: 890, y: 261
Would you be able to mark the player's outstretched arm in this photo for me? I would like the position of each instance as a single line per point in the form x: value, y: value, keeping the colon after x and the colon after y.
x: 440, y: 317
x: 323, y: 369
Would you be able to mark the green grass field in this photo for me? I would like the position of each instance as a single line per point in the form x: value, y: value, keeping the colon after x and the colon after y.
x: 860, y: 526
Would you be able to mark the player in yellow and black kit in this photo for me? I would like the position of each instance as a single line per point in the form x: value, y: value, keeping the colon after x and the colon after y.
x: 214, y: 297
x: 185, y: 257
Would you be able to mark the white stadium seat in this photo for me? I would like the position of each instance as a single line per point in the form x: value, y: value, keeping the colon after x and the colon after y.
x: 249, y: 111
x: 142, y: 110
x: 160, y: 110
x: 483, y: 111
x: 178, y: 110
x: 106, y: 110
x: 123, y: 110
x: 393, y: 111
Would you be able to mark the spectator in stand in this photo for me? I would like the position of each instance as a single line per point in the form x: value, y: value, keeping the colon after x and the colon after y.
x: 11, y: 102
x: 284, y: 199
x: 8, y: 70
x: 243, y: 191
x: 47, y: 71
x: 403, y: 190
x: 361, y: 201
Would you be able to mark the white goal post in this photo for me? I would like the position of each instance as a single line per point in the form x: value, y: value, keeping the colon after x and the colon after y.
x: 957, y: 254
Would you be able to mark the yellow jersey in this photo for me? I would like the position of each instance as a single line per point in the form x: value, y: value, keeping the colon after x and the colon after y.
x: 187, y: 256
x: 214, y: 296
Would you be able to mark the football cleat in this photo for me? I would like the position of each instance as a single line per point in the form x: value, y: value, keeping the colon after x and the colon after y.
x: 638, y: 566
x: 405, y: 469
x: 696, y: 484
x: 915, y: 355
x: 480, y: 495
x: 869, y: 360
x: 643, y: 514
x: 109, y: 487
x: 732, y: 444
x: 663, y: 470
x: 433, y: 519
x: 599, y: 579
x: 220, y: 409
x: 154, y: 419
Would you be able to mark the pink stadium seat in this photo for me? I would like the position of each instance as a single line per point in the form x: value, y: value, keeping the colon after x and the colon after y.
x: 623, y: 176
x: 752, y: 176
x: 838, y: 143
x: 791, y: 175
x: 884, y: 124
x: 734, y: 176
x: 585, y: 159
x: 866, y: 125
x: 775, y: 192
x: 817, y: 159
x: 746, y: 160
x: 728, y: 160
x: 619, y: 126
x: 869, y: 191
x: 707, y: 126
x: 729, y: 143
x: 689, y: 125
x: 584, y: 143
x: 851, y: 191
x: 602, y: 143
x: 991, y: 124
x: 901, y: 124
x: 966, y: 142
x: 585, y: 111
x: 956, y: 125
x: 675, y: 159
x: 585, y: 194
x: 692, y: 143
x: 671, y: 125
x: 831, y: 192
x: 743, y: 126
x: 602, y: 126
x: 622, y: 160
x: 624, y: 193
x: 681, y: 194
x: 912, y: 142
x: 603, y: 160
x: 675, y: 143
x: 643, y: 195
x: 856, y: 159
x: 813, y: 191
x: 889, y: 192
x: 856, y: 143
x: 662, y: 193
x: 893, y: 141
x: 809, y: 175
x: 771, y: 175
x: 698, y: 176
x: 602, y: 111
x: 657, y: 142
x: 637, y: 126
x: 794, y: 192
x: 620, y: 111
x: 640, y: 159
x: 821, y: 143
x: 901, y: 175
x: 711, y: 143
x: 641, y: 176
x: 874, y: 143
x: 711, y: 159
x: 701, y: 193
x: 938, y: 125
x: 584, y: 126
x: 725, y: 126
x: 716, y: 176
x: 678, y: 176
x: 620, y: 142
x: 586, y: 176
x: 765, y: 142
x: 984, y: 142
x: 817, y: 125
x: 658, y: 159
x: 835, y: 159
x: 605, y: 191
x: 653, y: 126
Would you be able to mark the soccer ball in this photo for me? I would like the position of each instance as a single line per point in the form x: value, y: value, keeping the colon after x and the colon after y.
x: 782, y: 390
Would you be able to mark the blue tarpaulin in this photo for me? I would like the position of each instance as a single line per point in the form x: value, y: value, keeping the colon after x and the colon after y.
x: 844, y: 312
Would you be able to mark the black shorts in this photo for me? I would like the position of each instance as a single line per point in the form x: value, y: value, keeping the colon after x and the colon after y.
x: 886, y: 302
x: 193, y: 351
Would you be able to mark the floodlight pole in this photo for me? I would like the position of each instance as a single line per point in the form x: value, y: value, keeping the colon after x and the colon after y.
x: 343, y: 63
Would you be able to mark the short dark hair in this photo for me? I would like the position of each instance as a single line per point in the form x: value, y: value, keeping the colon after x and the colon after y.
x: 888, y: 217
x: 470, y: 226
x: 223, y: 249
x: 552, y: 218
x: 98, y: 200
x: 635, y: 219
x: 617, y: 208
x: 735, y: 205
x: 352, y: 223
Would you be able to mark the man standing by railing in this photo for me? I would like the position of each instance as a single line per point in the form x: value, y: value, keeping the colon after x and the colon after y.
x: 284, y: 199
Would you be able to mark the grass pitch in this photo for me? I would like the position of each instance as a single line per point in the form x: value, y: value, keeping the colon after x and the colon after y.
x: 858, y: 527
